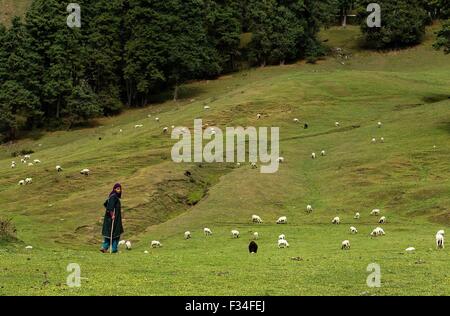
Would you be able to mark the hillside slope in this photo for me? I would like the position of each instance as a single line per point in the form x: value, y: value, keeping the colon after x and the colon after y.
x: 11, y: 8
x: 407, y: 177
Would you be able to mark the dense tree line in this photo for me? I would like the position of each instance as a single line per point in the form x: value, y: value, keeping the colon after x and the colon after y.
x: 128, y: 51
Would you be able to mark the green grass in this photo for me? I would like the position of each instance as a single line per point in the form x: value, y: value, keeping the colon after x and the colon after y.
x: 59, y: 214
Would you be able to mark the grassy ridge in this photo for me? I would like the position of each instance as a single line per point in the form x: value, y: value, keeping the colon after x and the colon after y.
x: 11, y: 8
x: 406, y: 177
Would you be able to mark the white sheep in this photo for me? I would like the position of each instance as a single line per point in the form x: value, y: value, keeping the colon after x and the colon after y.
x: 128, y: 245
x: 23, y: 160
x: 27, y: 157
x: 441, y: 232
x: 345, y: 245
x: 207, y: 231
x: 258, y: 116
x: 235, y: 233
x: 440, y: 241
x: 59, y: 168
x: 410, y: 249
x: 254, y: 165
x: 255, y: 235
x: 280, y: 159
x: 377, y: 232
x: 187, y: 235
x: 29, y: 247
x: 22, y: 182
x: 380, y: 124
x: 296, y: 120
x: 13, y: 164
x: 337, y: 124
x: 309, y: 208
x: 353, y: 230
x: 282, y: 243
x: 165, y: 130
x: 37, y: 161
x: 157, y: 119
x: 313, y: 155
x: 28, y: 181
x: 375, y: 212
x: 282, y: 220
x: 256, y: 219
x: 30, y: 164
x: 323, y: 153
x: 382, y: 220
x: 122, y: 242
x: 156, y: 244
x: 85, y: 172
x: 374, y: 140
x: 282, y: 237
x: 382, y: 139
x: 138, y: 126
x: 206, y: 107
x: 357, y: 216
x: 336, y: 221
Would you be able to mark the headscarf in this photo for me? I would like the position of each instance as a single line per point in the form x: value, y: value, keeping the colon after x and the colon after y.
x: 119, y: 195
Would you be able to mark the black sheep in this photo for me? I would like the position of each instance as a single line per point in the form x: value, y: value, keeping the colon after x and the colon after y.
x: 253, y: 247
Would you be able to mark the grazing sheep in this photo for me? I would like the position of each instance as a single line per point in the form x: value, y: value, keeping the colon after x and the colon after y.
x: 410, y: 249
x: 235, y: 233
x: 30, y: 164
x: 59, y: 169
x: 337, y: 124
x: 258, y: 116
x: 280, y: 159
x: 323, y: 153
x: 253, y: 247
x: 296, y: 120
x: 254, y: 165
x: 282, y: 237
x: 238, y: 164
x: 121, y: 131
x: 29, y: 247
x: 382, y: 220
x: 374, y: 140
x: 13, y: 165
x: 138, y: 126
x: 23, y: 160
x: 206, y: 107
x: 22, y: 182
x: 37, y: 161
x: 165, y: 130
x: 28, y: 181
x: 309, y: 208
x: 441, y: 232
x: 282, y: 220
x: 336, y: 221
x: 156, y: 244
x: 122, y: 242
x: 187, y: 235
x: 256, y: 219
x: 380, y: 124
x: 345, y: 245
x: 255, y: 235
x: 353, y: 230
x: 357, y: 216
x: 27, y: 157
x: 439, y: 241
x: 128, y: 245
x: 85, y: 172
x: 313, y: 155
x: 157, y: 119
x: 375, y: 212
x: 207, y: 231
x: 282, y: 243
x: 377, y: 232
x: 382, y: 139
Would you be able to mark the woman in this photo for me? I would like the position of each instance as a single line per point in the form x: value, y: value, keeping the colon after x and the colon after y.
x: 113, y: 214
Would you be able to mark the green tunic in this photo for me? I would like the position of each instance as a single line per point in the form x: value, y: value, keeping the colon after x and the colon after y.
x: 112, y: 205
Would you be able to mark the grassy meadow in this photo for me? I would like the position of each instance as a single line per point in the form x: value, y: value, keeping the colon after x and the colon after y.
x: 407, y: 177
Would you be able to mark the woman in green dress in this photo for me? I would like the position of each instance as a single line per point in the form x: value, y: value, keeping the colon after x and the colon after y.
x: 113, y: 219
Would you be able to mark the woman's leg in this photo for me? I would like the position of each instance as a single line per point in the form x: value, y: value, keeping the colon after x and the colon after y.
x: 115, y: 244
x: 105, y: 245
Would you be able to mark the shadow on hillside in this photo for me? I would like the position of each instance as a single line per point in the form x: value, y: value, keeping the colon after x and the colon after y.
x: 435, y: 98
x: 185, y: 92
